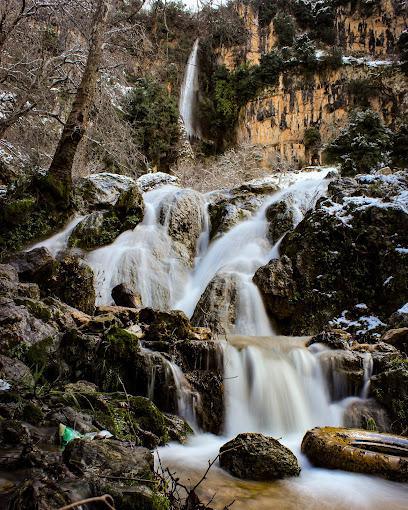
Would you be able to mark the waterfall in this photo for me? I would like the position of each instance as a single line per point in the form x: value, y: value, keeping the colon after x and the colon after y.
x: 274, y: 385
x: 368, y: 365
x: 189, y: 92
x: 145, y: 258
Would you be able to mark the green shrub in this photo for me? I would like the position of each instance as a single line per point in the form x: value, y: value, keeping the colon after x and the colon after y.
x: 362, y: 90
x: 153, y: 114
x: 284, y: 28
x: 305, y: 51
x: 312, y: 138
x: 362, y: 146
x: 403, y: 50
x: 400, y: 146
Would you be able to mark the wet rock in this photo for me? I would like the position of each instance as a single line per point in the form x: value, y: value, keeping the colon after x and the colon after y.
x: 183, y: 216
x: 179, y: 430
x: 217, y: 307
x: 15, y: 373
x: 36, y: 265
x: 103, y: 227
x: 276, y: 283
x: 20, y: 329
x: 344, y: 372
x: 358, y: 450
x: 367, y: 415
x: 280, y: 218
x: 224, y: 215
x: 128, y: 316
x: 254, y: 456
x: 169, y: 326
x: 8, y: 280
x: 150, y: 181
x: 73, y: 283
x: 123, y: 295
x: 100, y: 191
x: 390, y: 388
x: 114, y: 468
x: 335, y: 339
x: 398, y: 338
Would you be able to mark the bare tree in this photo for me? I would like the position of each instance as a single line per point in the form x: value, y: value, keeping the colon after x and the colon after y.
x: 60, y: 171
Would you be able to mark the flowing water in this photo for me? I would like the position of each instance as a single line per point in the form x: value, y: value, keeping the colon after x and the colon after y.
x: 273, y: 384
x: 189, y: 93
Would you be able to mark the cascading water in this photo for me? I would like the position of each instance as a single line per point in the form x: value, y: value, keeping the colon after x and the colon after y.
x: 188, y: 95
x: 145, y: 258
x: 272, y: 384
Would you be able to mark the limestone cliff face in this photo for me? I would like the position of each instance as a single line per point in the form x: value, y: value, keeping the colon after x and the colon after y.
x: 376, y: 34
x: 357, y: 33
x: 278, y: 117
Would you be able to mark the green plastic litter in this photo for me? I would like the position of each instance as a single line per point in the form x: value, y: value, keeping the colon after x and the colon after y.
x: 67, y: 434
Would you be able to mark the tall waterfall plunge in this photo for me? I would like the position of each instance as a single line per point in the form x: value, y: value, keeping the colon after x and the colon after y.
x: 189, y: 93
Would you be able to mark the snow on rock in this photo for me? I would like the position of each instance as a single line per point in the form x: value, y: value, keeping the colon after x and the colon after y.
x: 154, y: 180
x: 103, y: 189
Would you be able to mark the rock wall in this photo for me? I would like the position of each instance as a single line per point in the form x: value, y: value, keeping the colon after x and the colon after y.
x: 276, y: 120
x: 376, y: 34
x: 357, y: 33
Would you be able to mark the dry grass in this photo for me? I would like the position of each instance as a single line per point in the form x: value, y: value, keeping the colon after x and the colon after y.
x: 230, y: 169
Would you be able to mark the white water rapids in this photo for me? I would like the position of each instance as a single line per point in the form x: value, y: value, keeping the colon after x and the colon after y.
x: 273, y: 384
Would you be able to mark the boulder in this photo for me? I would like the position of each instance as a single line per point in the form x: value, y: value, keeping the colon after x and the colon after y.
x: 254, y: 456
x: 356, y: 450
x: 390, y: 388
x: 15, y: 373
x: 154, y: 180
x: 36, y: 265
x: 355, y: 235
x: 280, y: 218
x: 398, y: 338
x: 101, y: 191
x: 367, y: 415
x: 335, y: 339
x: 123, y: 295
x: 102, y: 227
x: 124, y: 471
x: 183, y: 216
x: 217, y: 306
x: 73, y: 283
x: 276, y: 283
x: 20, y: 328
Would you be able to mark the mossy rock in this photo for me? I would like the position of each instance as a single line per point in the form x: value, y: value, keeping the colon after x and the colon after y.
x: 359, y: 451
x: 127, y: 417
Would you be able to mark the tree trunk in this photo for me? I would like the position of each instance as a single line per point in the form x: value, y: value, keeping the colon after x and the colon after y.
x: 59, y: 176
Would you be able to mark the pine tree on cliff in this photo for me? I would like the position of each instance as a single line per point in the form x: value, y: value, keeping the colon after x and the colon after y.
x: 59, y: 178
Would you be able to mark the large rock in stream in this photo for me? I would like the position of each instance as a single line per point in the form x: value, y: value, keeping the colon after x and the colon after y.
x: 359, y: 451
x: 253, y: 456
x: 350, y: 250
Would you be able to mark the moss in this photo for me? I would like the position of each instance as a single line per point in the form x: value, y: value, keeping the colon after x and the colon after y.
x: 35, y: 307
x: 19, y: 210
x: 160, y: 502
x: 39, y: 353
x: 32, y: 413
x: 149, y: 417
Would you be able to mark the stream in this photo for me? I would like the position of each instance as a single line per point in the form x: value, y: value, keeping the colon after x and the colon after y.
x: 273, y: 384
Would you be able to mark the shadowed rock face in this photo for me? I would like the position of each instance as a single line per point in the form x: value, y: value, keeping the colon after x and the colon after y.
x: 348, y: 250
x: 359, y: 451
x: 254, y: 456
